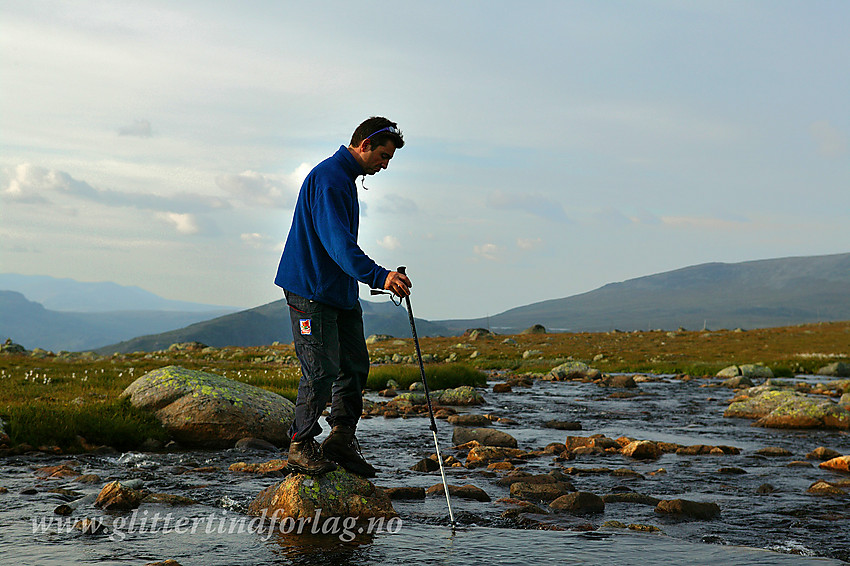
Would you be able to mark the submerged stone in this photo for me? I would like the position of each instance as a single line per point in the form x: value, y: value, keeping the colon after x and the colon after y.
x: 580, y: 502
x: 685, y: 508
x: 468, y: 491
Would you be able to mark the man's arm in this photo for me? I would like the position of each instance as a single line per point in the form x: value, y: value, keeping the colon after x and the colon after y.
x: 331, y: 213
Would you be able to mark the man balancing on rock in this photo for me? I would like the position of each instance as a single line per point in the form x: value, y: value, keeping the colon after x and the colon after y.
x: 319, y: 270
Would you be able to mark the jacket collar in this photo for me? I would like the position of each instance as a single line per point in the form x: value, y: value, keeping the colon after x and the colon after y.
x: 349, y: 164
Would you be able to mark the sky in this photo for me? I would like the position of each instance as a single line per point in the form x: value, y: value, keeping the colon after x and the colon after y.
x: 551, y: 147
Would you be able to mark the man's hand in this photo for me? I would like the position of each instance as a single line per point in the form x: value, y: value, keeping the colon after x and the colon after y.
x: 398, y: 283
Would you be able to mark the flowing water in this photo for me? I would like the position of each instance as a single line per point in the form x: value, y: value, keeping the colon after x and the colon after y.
x: 787, y: 526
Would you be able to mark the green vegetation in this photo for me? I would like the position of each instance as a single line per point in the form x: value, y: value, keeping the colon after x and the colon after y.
x: 112, y: 423
x: 50, y: 399
x: 439, y: 376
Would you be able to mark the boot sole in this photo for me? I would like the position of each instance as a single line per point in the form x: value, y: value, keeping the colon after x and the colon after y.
x: 354, y: 467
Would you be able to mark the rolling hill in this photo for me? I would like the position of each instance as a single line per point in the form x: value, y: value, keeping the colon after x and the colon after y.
x: 33, y: 326
x: 270, y: 323
x: 752, y: 294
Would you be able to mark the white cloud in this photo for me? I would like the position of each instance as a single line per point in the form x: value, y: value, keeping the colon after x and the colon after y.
x: 251, y: 188
x: 184, y: 223
x: 25, y: 183
x: 31, y: 183
x: 389, y: 242
x: 830, y: 140
x: 139, y: 129
x: 536, y: 204
x: 257, y: 241
x: 529, y: 243
x: 487, y: 251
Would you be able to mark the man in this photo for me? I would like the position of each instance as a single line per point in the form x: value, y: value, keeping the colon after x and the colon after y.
x: 319, y: 270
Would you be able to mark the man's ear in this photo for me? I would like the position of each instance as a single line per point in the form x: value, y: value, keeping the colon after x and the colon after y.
x: 365, y: 145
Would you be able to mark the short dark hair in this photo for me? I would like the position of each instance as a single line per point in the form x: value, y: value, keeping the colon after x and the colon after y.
x: 378, y: 130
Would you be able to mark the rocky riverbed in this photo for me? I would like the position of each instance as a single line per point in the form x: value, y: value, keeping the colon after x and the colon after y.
x: 600, y: 472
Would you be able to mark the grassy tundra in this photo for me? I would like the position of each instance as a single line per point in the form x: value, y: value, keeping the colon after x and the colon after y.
x: 71, y: 401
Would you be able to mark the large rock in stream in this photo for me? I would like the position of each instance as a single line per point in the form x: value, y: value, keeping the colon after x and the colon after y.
x: 208, y: 410
x: 335, y: 494
x: 750, y: 371
x: 486, y: 436
x: 782, y: 408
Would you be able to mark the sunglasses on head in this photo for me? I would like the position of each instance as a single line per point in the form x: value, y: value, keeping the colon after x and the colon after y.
x: 390, y: 129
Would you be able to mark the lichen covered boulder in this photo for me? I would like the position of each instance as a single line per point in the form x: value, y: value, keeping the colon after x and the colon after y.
x: 783, y: 408
x: 751, y: 371
x: 571, y: 370
x: 836, y: 369
x: 335, y: 494
x: 807, y: 412
x: 208, y: 410
x: 758, y: 403
x: 463, y: 395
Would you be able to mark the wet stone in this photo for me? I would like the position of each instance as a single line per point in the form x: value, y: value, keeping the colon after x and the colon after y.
x: 563, y: 425
x: 630, y: 497
x: 540, y: 492
x: 822, y: 453
x: 426, y: 465
x: 580, y: 503
x: 825, y: 488
x: 406, y: 492
x: 462, y: 491
x: 731, y: 471
x: 690, y: 509
x: 773, y: 452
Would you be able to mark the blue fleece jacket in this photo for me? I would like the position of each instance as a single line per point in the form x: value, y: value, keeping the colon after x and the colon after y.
x: 321, y: 259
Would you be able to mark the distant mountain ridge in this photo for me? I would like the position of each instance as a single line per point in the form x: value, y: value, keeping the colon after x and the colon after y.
x: 270, y: 323
x: 69, y: 295
x: 28, y: 323
x: 752, y: 294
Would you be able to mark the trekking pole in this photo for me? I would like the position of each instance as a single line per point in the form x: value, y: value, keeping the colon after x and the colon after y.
x: 427, y: 399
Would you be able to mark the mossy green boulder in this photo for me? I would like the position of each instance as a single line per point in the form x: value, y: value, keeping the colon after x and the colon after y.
x: 572, y: 370
x: 758, y: 402
x: 463, y: 395
x: 336, y: 494
x: 782, y: 408
x: 207, y: 410
x: 807, y: 412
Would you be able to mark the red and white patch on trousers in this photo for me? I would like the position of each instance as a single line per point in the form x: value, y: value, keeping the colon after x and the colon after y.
x: 306, y: 329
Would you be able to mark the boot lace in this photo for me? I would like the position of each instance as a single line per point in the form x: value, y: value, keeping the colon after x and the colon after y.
x: 356, y: 445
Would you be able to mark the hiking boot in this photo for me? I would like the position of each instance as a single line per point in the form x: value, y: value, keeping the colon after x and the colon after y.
x: 342, y: 447
x: 306, y: 458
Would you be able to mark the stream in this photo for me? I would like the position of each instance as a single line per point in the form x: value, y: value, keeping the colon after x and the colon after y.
x: 786, y: 526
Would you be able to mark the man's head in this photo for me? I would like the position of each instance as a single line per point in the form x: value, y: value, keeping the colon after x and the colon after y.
x: 374, y: 142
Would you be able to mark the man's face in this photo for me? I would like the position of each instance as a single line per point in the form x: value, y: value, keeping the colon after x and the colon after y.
x: 377, y: 158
